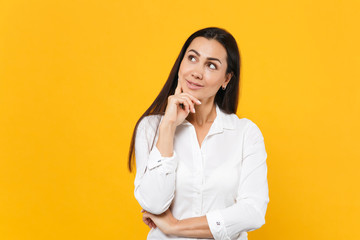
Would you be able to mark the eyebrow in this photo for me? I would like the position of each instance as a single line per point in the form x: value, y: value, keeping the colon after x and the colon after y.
x: 209, y: 58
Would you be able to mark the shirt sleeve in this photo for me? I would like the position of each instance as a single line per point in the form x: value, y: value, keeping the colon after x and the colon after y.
x: 155, y: 174
x: 248, y: 213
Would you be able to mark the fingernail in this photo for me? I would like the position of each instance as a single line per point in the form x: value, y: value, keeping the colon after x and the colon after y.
x: 199, y: 102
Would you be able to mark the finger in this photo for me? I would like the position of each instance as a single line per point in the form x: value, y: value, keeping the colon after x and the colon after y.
x: 192, y: 98
x: 153, y: 225
x: 185, y: 103
x: 189, y: 100
x: 182, y: 103
x: 149, y: 225
x: 148, y: 215
x: 146, y: 221
x: 150, y: 222
x: 191, y: 104
x: 178, y: 89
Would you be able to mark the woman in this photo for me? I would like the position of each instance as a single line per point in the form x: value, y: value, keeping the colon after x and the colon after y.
x: 200, y: 170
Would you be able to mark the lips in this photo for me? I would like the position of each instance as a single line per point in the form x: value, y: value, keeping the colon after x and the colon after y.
x: 193, y: 86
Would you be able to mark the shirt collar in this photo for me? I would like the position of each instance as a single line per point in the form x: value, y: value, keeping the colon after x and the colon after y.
x: 221, y: 122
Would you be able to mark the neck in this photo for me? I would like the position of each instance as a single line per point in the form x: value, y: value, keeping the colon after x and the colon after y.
x: 204, y: 113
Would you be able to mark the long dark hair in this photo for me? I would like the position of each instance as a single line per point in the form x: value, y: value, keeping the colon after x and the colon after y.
x: 227, y: 99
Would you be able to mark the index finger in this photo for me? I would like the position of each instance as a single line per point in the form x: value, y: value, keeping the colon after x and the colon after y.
x: 178, y: 89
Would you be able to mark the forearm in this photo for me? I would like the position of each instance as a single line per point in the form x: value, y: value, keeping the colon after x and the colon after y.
x: 196, y: 227
x: 155, y: 189
x: 165, y: 142
x: 155, y: 192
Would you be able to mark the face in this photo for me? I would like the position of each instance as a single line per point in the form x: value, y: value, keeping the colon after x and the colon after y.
x: 203, y: 69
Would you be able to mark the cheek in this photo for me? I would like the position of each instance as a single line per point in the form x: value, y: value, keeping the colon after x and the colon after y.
x: 183, y: 69
x: 214, y: 79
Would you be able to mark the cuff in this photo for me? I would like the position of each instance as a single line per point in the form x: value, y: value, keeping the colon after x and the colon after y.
x: 166, y: 164
x: 217, y: 225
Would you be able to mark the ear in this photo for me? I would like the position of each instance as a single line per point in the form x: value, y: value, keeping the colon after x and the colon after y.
x: 227, y: 79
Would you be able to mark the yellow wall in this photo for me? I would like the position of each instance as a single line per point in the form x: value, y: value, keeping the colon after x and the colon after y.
x: 76, y: 75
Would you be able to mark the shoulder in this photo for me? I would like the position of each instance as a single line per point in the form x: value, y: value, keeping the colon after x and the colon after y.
x: 149, y: 124
x: 252, y: 131
x: 245, y: 125
x: 146, y: 130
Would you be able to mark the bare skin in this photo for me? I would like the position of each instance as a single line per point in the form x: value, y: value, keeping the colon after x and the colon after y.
x: 202, y: 72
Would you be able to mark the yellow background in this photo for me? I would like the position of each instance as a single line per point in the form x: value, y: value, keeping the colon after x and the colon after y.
x: 76, y: 75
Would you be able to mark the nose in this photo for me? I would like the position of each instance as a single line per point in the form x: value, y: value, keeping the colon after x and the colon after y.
x: 196, y: 73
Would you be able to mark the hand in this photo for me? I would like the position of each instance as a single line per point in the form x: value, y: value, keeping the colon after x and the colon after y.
x: 165, y: 221
x: 175, y: 114
x: 148, y: 220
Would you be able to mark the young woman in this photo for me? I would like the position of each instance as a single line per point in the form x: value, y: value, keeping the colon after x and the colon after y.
x: 200, y: 170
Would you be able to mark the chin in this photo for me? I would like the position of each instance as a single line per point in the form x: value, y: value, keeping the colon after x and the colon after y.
x: 199, y: 96
x: 192, y: 92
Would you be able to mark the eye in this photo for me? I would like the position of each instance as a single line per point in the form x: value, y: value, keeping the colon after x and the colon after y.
x: 212, y: 66
x: 191, y: 58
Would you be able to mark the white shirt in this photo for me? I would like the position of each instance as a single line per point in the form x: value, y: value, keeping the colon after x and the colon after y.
x: 224, y: 179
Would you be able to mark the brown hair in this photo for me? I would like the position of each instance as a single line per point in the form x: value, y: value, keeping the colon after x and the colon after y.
x: 227, y: 99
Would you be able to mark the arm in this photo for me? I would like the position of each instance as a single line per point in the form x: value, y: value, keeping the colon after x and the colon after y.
x: 196, y: 227
x: 248, y: 213
x: 155, y: 173
x: 165, y: 143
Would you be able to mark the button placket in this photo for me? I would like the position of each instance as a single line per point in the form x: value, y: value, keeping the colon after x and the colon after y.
x: 198, y: 207
x: 202, y: 154
x: 198, y: 164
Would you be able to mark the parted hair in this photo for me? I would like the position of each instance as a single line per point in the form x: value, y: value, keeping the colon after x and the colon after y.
x: 227, y: 99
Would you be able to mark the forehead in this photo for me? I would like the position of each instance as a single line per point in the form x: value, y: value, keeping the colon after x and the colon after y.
x: 208, y: 48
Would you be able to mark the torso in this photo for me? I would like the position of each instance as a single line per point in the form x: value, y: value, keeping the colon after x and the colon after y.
x: 208, y: 175
x: 202, y: 131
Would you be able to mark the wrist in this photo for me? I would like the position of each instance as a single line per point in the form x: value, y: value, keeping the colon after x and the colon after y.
x: 175, y: 228
x: 167, y: 126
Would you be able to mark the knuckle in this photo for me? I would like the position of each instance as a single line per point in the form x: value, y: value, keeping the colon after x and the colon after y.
x: 171, y: 98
